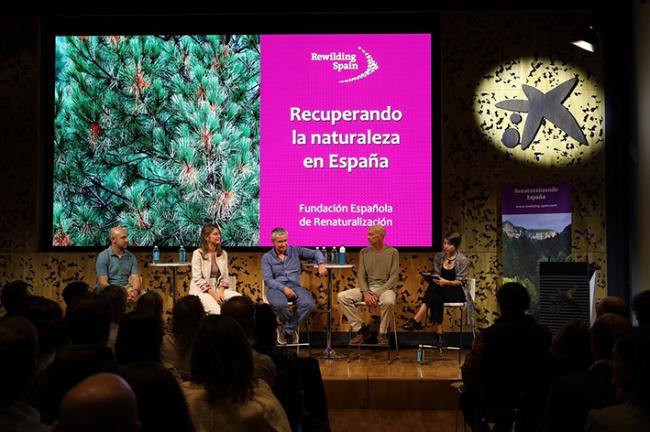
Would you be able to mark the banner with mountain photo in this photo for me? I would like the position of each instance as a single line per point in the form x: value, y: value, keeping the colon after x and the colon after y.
x: 536, y: 227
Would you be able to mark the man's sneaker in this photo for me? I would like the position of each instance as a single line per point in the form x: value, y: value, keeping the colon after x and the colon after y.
x: 281, y: 336
x: 382, y: 339
x: 361, y: 336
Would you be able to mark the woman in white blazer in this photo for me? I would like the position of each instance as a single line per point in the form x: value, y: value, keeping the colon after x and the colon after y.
x: 210, y: 271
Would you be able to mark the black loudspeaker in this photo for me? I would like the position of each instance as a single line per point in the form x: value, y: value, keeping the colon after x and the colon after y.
x: 563, y: 293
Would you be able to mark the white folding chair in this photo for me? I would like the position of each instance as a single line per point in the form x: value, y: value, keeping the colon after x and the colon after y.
x: 232, y: 282
x: 464, y: 309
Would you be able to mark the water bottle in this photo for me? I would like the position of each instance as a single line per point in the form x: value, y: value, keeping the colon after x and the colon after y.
x: 333, y: 255
x: 156, y: 254
x: 324, y: 252
x: 317, y: 249
x: 342, y: 255
x: 419, y: 356
x: 182, y: 256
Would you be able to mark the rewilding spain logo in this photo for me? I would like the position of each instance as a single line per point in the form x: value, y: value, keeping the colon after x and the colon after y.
x: 342, y: 61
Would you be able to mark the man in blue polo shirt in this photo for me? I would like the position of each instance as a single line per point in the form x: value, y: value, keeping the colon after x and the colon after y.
x: 281, y: 271
x: 117, y: 266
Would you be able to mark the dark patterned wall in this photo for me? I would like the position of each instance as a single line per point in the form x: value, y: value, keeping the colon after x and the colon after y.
x: 486, y: 57
x: 20, y: 175
x: 475, y: 48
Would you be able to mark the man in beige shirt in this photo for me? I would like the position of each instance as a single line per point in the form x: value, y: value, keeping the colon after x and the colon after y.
x: 377, y: 279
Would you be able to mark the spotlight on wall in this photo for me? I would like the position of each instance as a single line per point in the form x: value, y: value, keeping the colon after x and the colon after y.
x: 586, y: 37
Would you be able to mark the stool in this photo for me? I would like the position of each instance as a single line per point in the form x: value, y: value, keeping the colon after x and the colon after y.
x: 293, y: 306
x: 394, y: 325
x: 464, y: 314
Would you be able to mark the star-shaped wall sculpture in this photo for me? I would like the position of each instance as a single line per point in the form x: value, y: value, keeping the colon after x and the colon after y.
x: 540, y: 106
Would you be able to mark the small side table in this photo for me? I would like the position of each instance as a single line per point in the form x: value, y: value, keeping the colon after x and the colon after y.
x: 174, y: 266
x: 329, y: 352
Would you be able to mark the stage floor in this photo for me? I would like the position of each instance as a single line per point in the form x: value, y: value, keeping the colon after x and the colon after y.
x: 343, y: 420
x: 372, y: 383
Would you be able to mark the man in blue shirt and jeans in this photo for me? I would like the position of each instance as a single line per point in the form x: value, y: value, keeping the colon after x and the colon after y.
x: 281, y: 271
x: 117, y: 266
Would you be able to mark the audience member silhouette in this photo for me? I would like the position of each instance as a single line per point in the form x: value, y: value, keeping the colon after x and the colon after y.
x: 150, y: 302
x: 13, y: 296
x: 117, y: 296
x: 612, y: 304
x: 88, y: 323
x: 497, y: 369
x: 571, y: 349
x: 161, y: 404
x: 176, y: 348
x: 641, y: 308
x: 139, y: 338
x: 288, y: 388
x: 46, y: 315
x: 570, y: 353
x: 631, y: 376
x: 74, y: 291
x: 18, y: 349
x: 571, y: 397
x: 100, y: 403
x: 222, y: 395
x: 242, y: 310
x: 299, y: 385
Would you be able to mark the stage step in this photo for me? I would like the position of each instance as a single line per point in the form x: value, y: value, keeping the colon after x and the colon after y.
x: 372, y: 383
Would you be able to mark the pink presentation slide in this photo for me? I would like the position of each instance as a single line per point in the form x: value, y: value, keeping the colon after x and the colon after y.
x: 345, y: 138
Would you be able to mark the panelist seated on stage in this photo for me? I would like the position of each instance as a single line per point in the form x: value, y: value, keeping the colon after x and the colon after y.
x: 281, y: 271
x: 447, y: 284
x: 210, y: 271
x: 117, y: 266
x: 377, y: 278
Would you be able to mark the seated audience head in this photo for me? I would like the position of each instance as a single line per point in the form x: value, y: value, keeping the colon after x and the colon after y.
x: 612, y: 304
x: 89, y: 320
x: 18, y: 348
x: 13, y: 296
x: 264, y: 332
x: 46, y: 315
x: 150, y: 302
x: 161, y: 404
x: 222, y: 361
x: 630, y: 371
x: 187, y: 315
x: 74, y: 291
x: 100, y: 403
x: 138, y: 338
x: 604, y: 332
x: 572, y: 344
x: 513, y: 298
x: 242, y: 310
x: 641, y: 308
x: 116, y: 295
